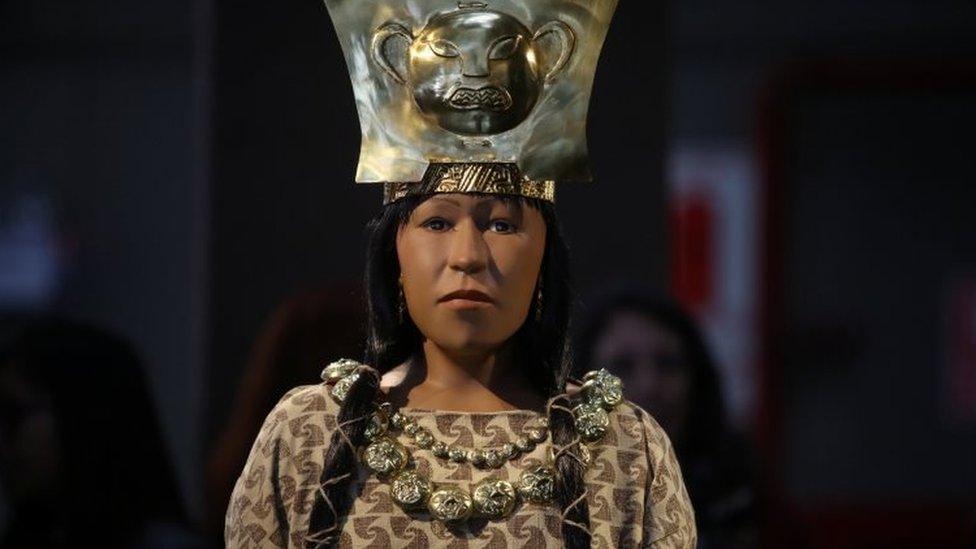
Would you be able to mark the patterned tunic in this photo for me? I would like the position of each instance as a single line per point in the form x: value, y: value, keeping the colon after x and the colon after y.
x: 635, y: 491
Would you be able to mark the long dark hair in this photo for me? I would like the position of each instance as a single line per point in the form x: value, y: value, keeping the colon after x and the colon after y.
x: 543, y: 338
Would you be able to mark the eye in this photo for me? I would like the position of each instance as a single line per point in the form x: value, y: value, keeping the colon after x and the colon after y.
x: 436, y: 224
x: 444, y: 48
x: 502, y: 226
x: 503, y: 48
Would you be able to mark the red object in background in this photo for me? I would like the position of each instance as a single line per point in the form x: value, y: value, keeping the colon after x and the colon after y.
x: 891, y: 527
x: 961, y: 331
x: 835, y: 525
x: 692, y: 221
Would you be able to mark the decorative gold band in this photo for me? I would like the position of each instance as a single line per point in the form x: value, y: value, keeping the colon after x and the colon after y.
x: 472, y: 177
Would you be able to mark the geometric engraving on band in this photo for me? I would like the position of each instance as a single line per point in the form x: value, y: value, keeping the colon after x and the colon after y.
x: 472, y: 177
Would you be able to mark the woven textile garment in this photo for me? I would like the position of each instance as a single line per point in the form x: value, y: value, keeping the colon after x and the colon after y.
x: 634, y: 486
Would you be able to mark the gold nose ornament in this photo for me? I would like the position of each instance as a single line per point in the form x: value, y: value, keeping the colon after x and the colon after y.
x: 487, y: 96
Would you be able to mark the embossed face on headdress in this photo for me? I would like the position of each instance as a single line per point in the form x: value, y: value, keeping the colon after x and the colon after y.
x: 472, y: 95
x: 474, y: 71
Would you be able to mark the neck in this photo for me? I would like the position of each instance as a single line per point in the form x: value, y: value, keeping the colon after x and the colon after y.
x: 484, y: 368
x: 483, y: 381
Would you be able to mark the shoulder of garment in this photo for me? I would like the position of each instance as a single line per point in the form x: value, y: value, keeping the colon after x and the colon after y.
x: 669, y: 517
x: 278, y: 486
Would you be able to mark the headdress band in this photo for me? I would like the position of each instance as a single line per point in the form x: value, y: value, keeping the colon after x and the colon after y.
x: 472, y: 177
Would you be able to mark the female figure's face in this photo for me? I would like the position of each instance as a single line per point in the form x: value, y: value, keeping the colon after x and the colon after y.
x: 651, y: 361
x: 469, y: 266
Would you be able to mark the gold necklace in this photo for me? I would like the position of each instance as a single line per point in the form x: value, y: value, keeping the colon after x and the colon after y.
x: 492, y: 499
x: 482, y: 459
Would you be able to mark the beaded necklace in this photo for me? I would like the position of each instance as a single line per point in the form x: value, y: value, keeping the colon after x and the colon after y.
x: 491, y: 499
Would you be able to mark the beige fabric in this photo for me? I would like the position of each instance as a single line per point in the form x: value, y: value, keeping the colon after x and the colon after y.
x: 634, y: 487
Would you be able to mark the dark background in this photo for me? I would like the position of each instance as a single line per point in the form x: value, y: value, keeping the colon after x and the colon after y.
x: 189, y: 165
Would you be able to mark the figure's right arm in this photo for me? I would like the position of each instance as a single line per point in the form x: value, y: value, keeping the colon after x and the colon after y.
x: 263, y: 506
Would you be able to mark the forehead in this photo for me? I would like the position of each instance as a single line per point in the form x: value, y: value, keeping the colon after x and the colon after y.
x: 473, y: 26
x: 465, y: 200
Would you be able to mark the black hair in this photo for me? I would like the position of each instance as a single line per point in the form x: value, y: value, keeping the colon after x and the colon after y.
x: 706, y: 422
x: 543, y: 337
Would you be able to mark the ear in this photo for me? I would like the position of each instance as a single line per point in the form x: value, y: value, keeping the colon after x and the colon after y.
x: 389, y: 49
x: 555, y: 42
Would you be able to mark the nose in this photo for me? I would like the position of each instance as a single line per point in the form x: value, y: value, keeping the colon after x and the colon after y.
x: 469, y: 251
x: 475, y: 64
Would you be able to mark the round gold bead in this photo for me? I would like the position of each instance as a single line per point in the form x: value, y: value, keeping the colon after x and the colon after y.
x: 424, y: 439
x: 523, y: 444
x: 339, y: 369
x: 603, y: 388
x: 493, y: 499
x: 613, y: 391
x: 439, y: 449
x: 377, y: 426
x: 537, y: 435
x: 341, y: 388
x: 537, y: 485
x: 509, y: 450
x: 410, y: 489
x: 398, y: 420
x: 592, y: 422
x: 478, y: 458
x: 385, y: 456
x: 494, y: 459
x: 449, y: 504
x: 591, y: 391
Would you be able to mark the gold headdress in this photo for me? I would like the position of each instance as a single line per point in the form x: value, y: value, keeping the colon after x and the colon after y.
x: 486, y: 96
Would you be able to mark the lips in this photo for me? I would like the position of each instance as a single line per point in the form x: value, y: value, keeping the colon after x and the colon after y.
x: 466, y: 295
x: 490, y: 98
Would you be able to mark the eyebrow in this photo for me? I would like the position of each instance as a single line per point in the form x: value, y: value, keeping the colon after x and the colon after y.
x: 446, y: 199
x: 479, y: 202
x: 484, y: 204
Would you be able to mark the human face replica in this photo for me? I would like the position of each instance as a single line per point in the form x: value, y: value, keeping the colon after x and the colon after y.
x: 469, y: 265
x: 474, y: 71
x: 652, y: 362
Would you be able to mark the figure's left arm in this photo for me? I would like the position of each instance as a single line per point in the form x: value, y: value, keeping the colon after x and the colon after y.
x: 669, y: 520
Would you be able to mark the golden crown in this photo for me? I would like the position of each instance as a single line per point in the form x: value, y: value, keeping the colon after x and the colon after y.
x: 486, y: 96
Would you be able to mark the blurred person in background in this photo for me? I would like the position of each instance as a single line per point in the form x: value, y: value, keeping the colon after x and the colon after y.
x: 658, y: 351
x: 81, y: 452
x: 288, y: 351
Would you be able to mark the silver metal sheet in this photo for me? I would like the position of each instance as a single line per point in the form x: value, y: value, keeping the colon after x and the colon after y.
x: 493, y: 81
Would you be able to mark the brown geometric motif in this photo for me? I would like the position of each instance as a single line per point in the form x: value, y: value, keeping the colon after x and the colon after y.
x: 404, y: 530
x: 634, y: 486
x: 451, y: 433
x: 599, y: 507
x: 629, y: 463
x: 370, y: 534
x: 628, y: 502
